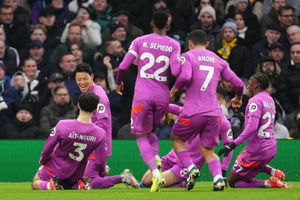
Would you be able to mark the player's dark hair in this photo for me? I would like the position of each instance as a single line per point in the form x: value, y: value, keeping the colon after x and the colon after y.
x: 88, y: 101
x: 262, y: 79
x: 198, y: 37
x: 84, y: 67
x: 160, y: 19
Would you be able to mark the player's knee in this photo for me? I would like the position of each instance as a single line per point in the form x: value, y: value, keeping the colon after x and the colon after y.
x: 147, y: 179
x: 35, y: 185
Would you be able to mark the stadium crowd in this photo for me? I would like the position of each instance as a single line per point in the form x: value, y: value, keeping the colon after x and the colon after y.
x: 42, y: 42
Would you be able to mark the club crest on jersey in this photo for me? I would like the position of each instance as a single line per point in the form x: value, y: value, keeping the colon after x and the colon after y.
x: 100, y: 108
x: 253, y: 107
x: 229, y: 133
x: 53, y: 131
x: 182, y: 59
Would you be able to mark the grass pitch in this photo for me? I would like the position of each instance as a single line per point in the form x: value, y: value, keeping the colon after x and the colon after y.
x: 202, y: 191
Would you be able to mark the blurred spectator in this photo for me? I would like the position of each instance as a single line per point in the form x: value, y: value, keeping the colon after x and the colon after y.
x: 77, y: 51
x: 138, y: 9
x: 67, y: 68
x: 249, y: 36
x: 16, y: 33
x: 60, y: 8
x: 271, y: 17
x: 269, y: 66
x: 55, y: 80
x: 101, y: 13
x: 268, y: 4
x: 254, y: 6
x: 293, y: 33
x: 23, y: 125
x: 91, y: 31
x: 110, y: 60
x: 60, y: 107
x: 289, y: 86
x: 47, y: 18
x: 100, y: 79
x: 276, y: 51
x: 74, y: 5
x: 10, y: 58
x: 260, y: 48
x: 20, y: 14
x: 125, y: 18
x: 286, y: 18
x: 207, y: 23
x: 74, y: 35
x: 9, y: 98
x: 18, y: 82
x: 232, y: 50
x: 39, y: 32
x: 241, y: 6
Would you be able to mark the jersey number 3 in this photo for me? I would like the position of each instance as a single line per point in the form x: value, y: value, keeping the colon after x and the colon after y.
x: 79, y: 149
x: 152, y: 60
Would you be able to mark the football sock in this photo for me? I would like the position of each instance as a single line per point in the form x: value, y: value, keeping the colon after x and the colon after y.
x: 269, y: 170
x: 105, y: 182
x: 154, y: 143
x: 44, y: 185
x: 155, y: 172
x: 215, y: 168
x: 185, y: 158
x: 251, y: 184
x: 226, y: 161
x: 147, y: 153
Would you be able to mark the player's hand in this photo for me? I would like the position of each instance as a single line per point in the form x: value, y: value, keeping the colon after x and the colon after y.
x: 119, y: 89
x: 172, y: 93
x: 224, y: 177
x: 236, y: 102
x: 226, y: 149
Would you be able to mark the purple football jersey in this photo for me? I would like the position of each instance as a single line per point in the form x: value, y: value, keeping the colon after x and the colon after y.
x: 201, y: 72
x: 102, y: 117
x: 69, y: 145
x: 259, y: 127
x: 155, y: 54
x: 225, y: 130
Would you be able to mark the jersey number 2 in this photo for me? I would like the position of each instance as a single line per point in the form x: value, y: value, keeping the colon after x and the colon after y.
x: 156, y: 74
x: 79, y: 149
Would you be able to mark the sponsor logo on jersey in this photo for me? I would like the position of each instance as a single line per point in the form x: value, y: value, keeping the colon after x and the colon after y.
x: 53, y: 131
x: 252, y: 107
x: 100, y: 108
x: 229, y: 133
x: 182, y: 59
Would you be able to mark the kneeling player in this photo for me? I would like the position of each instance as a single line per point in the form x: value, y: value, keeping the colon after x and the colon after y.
x: 261, y: 147
x: 66, y: 151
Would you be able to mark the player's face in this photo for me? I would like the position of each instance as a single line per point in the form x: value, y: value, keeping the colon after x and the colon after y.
x: 84, y: 81
x: 251, y: 87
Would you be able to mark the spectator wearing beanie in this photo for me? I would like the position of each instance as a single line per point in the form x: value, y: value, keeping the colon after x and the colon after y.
x: 23, y: 125
x: 207, y: 23
x: 232, y: 50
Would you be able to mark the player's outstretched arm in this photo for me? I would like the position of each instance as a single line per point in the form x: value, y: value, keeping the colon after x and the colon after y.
x: 49, y: 145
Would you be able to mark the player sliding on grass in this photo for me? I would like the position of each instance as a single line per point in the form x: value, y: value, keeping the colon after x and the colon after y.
x: 173, y: 171
x: 201, y: 72
x: 158, y: 56
x: 261, y: 147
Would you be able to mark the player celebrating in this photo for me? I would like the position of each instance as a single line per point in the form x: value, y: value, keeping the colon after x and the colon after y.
x: 155, y: 52
x: 173, y: 171
x: 67, y: 148
x: 201, y: 111
x: 102, y: 118
x: 261, y: 147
